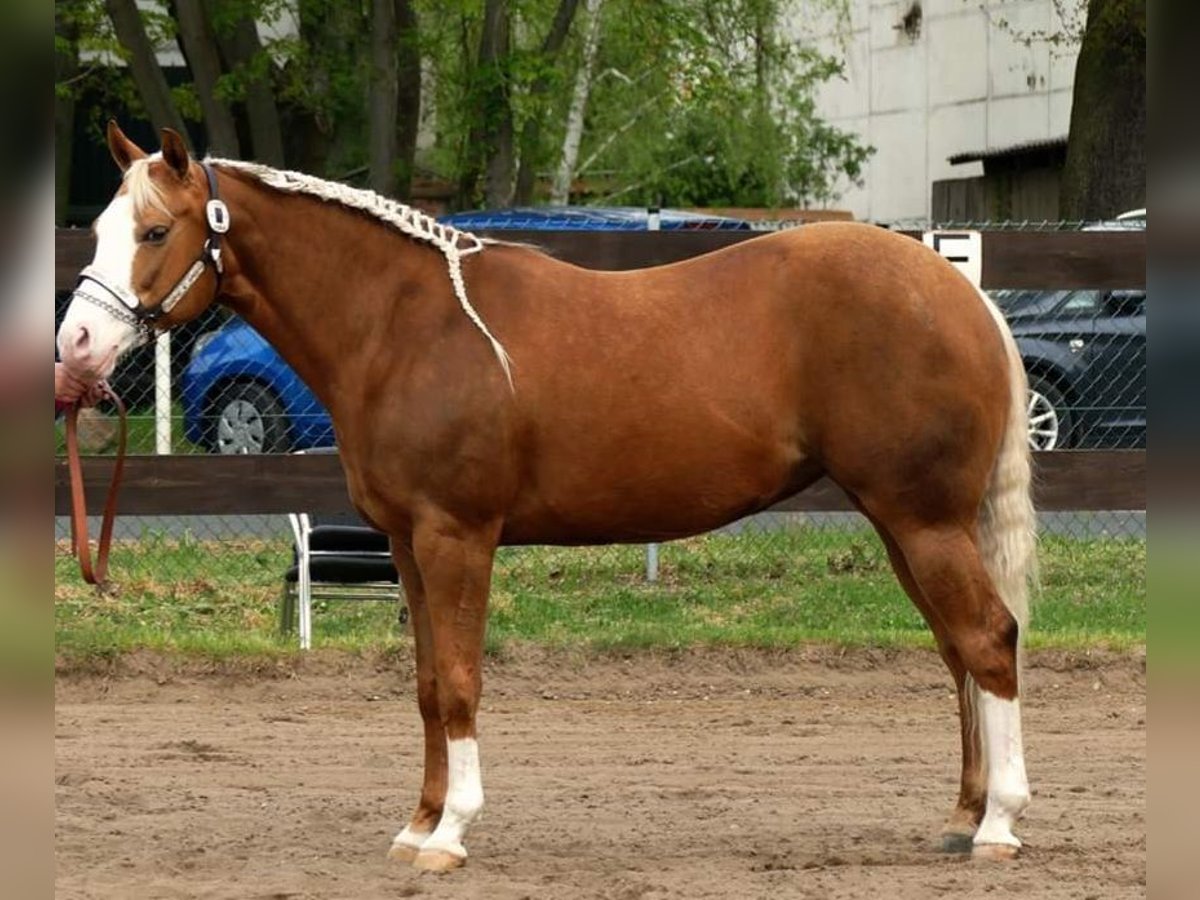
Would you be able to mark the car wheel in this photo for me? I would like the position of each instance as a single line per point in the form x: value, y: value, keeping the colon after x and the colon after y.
x: 1049, y: 416
x: 248, y: 418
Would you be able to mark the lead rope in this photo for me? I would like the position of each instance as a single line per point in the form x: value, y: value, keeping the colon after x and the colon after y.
x: 80, y: 544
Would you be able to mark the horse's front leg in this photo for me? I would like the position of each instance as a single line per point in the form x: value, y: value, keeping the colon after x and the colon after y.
x: 454, y: 563
x: 407, y: 844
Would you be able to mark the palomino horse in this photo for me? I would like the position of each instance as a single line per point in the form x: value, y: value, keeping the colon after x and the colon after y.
x: 484, y: 393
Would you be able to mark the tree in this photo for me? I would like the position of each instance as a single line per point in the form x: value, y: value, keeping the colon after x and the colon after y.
x: 695, y: 101
x: 200, y: 49
x: 249, y: 74
x: 531, y: 132
x: 561, y: 189
x: 705, y: 103
x: 408, y: 95
x: 140, y: 53
x: 381, y: 101
x: 488, y: 148
x: 1105, y: 171
x: 66, y: 69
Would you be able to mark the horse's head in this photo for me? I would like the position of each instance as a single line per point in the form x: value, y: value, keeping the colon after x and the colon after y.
x: 157, y: 261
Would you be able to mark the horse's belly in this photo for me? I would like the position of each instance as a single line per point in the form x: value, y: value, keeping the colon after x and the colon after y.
x: 626, y: 503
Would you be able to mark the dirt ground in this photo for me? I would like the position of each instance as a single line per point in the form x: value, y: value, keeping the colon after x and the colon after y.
x: 810, y: 774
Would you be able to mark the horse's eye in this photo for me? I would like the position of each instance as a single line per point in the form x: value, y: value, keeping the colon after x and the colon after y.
x: 155, y: 235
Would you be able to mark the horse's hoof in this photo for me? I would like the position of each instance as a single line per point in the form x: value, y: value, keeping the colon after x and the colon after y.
x: 405, y: 853
x: 438, y: 861
x: 957, y: 842
x: 995, y: 851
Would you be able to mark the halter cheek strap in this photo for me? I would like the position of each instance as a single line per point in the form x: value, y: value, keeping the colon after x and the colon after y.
x: 96, y: 288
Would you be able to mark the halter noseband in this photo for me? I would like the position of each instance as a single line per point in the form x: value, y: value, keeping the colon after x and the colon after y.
x: 129, y: 308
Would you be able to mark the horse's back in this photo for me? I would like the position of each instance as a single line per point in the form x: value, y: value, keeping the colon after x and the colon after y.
x: 725, y: 382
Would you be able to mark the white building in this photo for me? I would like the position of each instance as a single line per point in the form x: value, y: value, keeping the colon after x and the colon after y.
x: 929, y: 79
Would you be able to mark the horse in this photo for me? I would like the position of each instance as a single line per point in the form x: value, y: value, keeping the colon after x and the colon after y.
x: 483, y: 393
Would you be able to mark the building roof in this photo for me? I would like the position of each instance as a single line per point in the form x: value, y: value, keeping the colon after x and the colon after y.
x: 1003, y: 153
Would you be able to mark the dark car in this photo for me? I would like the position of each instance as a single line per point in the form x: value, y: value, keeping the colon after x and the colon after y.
x: 1085, y: 353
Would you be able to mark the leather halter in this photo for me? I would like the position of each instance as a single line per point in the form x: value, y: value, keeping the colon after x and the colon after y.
x: 128, y: 308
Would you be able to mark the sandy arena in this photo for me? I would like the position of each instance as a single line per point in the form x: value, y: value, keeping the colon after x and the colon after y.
x: 814, y: 774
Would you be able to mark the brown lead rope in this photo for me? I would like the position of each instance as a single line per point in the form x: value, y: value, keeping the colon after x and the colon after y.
x: 79, y: 524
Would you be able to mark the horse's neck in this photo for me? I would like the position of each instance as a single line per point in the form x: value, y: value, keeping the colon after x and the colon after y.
x: 323, y: 285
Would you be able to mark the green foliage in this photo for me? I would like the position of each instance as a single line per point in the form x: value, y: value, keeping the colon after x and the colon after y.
x: 707, y: 104
x: 693, y: 102
x: 84, y: 32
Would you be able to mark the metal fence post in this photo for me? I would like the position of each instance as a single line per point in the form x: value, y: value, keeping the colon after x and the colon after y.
x: 653, y: 223
x: 162, y: 393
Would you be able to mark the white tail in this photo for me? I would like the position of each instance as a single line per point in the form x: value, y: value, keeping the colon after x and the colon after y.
x: 1007, y: 521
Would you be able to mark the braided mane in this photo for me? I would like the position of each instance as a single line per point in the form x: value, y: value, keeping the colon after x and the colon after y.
x: 453, y: 243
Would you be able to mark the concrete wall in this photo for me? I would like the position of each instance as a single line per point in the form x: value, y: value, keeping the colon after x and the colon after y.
x: 964, y: 81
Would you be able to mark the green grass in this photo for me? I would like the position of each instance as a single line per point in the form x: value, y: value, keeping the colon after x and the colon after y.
x: 772, y: 589
x: 141, y: 433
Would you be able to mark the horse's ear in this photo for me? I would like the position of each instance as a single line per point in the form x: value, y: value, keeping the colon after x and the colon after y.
x: 175, y: 152
x: 124, y: 151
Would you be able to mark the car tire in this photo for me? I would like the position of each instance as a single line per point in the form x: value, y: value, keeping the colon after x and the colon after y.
x: 1049, y: 415
x: 247, y: 417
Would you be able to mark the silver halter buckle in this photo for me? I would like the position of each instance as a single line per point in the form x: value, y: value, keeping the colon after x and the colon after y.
x: 218, y: 216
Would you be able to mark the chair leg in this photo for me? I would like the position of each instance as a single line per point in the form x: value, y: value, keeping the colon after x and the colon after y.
x: 304, y: 585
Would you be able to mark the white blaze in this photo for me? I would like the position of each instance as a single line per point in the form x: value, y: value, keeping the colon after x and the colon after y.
x: 107, y: 336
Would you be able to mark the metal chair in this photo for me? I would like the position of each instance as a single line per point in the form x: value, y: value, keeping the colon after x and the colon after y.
x: 336, y: 558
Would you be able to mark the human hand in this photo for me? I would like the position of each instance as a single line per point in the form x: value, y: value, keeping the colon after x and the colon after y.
x: 70, y: 389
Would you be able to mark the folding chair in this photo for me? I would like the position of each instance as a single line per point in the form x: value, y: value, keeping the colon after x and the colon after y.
x: 336, y: 558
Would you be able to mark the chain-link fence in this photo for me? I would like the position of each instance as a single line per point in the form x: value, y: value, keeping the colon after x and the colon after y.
x: 219, y: 388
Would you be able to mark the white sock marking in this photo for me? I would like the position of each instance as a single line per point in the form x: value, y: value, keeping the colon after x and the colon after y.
x: 1008, y: 788
x: 411, y: 839
x: 464, y: 798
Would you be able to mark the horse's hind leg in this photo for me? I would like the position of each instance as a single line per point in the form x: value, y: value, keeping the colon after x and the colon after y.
x: 407, y: 844
x: 964, y: 819
x: 945, y: 563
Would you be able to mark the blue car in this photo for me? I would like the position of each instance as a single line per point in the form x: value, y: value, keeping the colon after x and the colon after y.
x: 590, y: 218
x: 239, y: 396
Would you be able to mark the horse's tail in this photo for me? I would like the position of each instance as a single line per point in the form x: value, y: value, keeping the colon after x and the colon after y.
x: 1007, y: 522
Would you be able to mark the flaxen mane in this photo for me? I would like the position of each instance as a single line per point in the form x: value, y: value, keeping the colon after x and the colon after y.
x: 453, y: 243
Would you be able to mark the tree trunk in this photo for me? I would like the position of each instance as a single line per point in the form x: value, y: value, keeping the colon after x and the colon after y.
x: 408, y: 95
x: 531, y: 133
x: 151, y: 83
x: 1105, y: 170
x: 490, y: 138
x: 382, y: 98
x: 204, y: 61
x: 560, y: 192
x: 240, y: 47
x: 66, y: 65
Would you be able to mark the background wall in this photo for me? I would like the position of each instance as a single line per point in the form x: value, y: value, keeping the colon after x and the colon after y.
x: 914, y: 88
